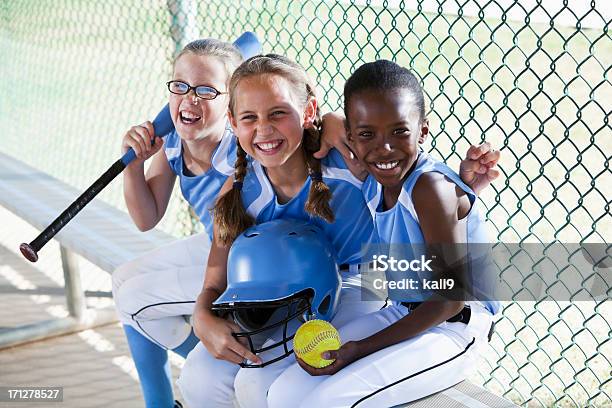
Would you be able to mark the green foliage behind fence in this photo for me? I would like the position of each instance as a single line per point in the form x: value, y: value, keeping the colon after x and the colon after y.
x: 532, y: 77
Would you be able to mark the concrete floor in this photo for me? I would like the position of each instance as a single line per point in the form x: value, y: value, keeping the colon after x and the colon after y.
x: 94, y: 366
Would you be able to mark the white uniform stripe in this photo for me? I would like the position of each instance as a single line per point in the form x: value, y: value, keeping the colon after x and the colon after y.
x: 219, y: 160
x: 267, y: 193
x: 405, y: 197
x: 373, y: 203
x: 341, y: 174
x: 172, y: 152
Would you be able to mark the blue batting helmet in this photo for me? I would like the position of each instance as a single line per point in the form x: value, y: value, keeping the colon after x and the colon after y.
x: 276, y: 272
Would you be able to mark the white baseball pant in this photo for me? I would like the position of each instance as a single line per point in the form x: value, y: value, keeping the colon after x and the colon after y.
x: 430, y: 362
x: 206, y: 381
x: 154, y: 293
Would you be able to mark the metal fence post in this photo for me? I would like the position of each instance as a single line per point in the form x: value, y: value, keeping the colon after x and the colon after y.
x: 183, y: 28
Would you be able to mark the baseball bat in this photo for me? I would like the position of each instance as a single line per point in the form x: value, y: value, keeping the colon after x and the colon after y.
x: 247, y: 43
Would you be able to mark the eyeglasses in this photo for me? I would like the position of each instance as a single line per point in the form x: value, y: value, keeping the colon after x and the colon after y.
x: 201, y: 91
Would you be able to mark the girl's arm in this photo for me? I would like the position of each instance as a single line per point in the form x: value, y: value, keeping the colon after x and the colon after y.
x: 147, y: 196
x: 477, y: 170
x: 216, y: 332
x: 439, y: 205
x: 334, y: 136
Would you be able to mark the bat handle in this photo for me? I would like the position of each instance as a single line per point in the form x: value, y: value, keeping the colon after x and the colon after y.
x: 162, y: 124
x: 128, y: 157
x: 30, y: 251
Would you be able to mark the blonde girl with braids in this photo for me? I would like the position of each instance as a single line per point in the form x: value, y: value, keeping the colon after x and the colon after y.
x: 274, y: 113
x: 277, y: 155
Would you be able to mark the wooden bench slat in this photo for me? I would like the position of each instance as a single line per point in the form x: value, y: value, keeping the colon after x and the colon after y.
x: 463, y: 395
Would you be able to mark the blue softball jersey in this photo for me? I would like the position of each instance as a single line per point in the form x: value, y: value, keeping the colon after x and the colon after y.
x: 201, y: 191
x: 353, y: 225
x: 400, y: 224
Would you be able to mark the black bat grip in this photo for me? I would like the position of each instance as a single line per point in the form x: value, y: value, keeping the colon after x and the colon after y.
x: 30, y: 251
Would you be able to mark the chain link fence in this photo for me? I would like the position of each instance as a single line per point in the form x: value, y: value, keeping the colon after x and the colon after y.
x: 532, y: 77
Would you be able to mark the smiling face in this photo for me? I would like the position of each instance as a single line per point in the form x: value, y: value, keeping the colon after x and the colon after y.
x: 196, y: 118
x: 384, y: 130
x: 268, y: 120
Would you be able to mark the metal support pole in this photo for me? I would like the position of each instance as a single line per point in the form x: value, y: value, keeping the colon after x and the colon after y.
x: 75, y: 297
x: 56, y: 327
x: 183, y: 28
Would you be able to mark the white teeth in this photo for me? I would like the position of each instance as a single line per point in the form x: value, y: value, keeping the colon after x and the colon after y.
x: 269, y: 145
x: 387, y: 165
x: 189, y: 115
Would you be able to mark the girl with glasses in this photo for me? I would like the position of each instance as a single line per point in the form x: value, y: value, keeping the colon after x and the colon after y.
x: 154, y: 294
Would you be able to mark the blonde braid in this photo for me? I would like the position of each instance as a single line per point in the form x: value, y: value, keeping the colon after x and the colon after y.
x: 320, y: 194
x: 230, y: 215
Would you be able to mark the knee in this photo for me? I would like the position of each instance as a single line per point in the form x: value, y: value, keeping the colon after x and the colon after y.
x: 119, y: 276
x: 250, y: 387
x: 126, y: 293
x: 195, y: 379
x: 205, y: 381
x: 192, y: 386
x: 279, y: 397
x: 126, y: 272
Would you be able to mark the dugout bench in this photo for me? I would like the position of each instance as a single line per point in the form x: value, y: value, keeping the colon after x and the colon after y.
x: 107, y: 237
x: 100, y: 233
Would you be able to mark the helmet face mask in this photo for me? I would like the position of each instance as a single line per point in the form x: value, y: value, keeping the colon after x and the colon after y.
x: 260, y: 319
x: 279, y: 274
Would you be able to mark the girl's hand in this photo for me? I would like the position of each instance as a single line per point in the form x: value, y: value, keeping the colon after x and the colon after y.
x: 478, y: 170
x: 216, y: 335
x: 334, y: 136
x: 344, y: 356
x: 139, y: 138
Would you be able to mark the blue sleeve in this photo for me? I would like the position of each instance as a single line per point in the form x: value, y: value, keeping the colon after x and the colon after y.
x: 353, y: 226
x: 334, y: 159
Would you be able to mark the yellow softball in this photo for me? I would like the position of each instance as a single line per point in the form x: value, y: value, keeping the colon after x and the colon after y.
x: 313, y: 338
